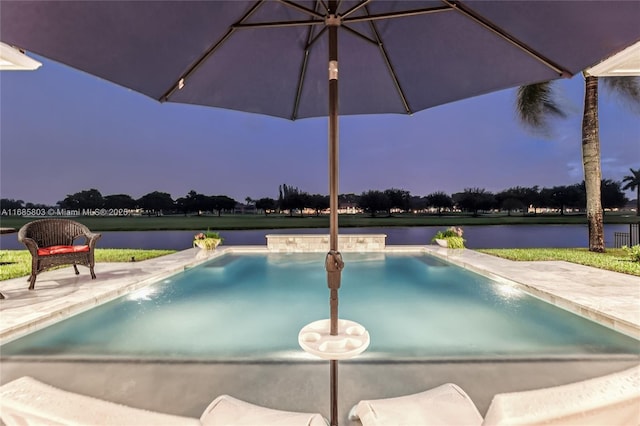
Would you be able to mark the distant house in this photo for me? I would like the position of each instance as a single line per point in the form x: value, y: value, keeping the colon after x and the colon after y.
x: 349, y: 208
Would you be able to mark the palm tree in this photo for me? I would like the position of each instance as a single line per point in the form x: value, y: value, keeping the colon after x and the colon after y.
x: 633, y: 183
x: 537, y: 103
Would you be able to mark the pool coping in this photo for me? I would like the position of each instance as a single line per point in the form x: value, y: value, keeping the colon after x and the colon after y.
x: 576, y: 288
x: 608, y: 298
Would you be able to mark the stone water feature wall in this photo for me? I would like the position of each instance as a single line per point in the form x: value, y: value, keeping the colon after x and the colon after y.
x: 294, y: 243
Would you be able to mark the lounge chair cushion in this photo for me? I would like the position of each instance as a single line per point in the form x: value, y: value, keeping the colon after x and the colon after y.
x: 47, y: 251
x: 228, y: 411
x: 26, y: 401
x: 444, y: 405
x: 608, y: 400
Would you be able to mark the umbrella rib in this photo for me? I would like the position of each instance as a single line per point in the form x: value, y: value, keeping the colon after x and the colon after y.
x: 359, y: 34
x: 181, y: 81
x: 485, y: 23
x: 392, y: 71
x: 393, y: 15
x: 302, y: 9
x: 303, y: 69
x: 354, y: 8
x: 279, y: 24
x: 326, y: 8
x: 313, y: 41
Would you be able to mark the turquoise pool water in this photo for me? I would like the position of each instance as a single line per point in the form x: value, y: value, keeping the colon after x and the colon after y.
x: 253, y: 306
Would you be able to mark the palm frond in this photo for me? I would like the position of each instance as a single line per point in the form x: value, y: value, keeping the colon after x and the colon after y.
x: 536, y: 105
x: 632, y: 180
x: 625, y: 89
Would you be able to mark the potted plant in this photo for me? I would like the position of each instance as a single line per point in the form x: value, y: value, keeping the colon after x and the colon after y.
x: 207, y: 240
x: 450, y: 238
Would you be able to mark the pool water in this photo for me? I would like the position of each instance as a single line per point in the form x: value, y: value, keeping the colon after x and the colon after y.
x: 253, y: 306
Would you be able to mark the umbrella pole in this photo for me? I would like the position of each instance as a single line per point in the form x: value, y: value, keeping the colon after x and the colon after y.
x: 333, y: 272
x: 334, y: 261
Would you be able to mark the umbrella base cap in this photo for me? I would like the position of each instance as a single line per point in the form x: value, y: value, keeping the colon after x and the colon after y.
x: 352, y: 339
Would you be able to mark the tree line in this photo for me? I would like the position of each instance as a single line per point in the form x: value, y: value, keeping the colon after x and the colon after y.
x: 476, y: 200
x: 374, y: 202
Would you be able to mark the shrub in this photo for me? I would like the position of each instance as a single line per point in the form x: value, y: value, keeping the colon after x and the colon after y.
x: 633, y: 252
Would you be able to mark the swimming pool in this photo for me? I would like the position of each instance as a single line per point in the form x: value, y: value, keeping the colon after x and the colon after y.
x: 238, y: 307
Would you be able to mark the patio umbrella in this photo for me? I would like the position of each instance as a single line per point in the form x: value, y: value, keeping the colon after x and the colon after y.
x: 280, y: 58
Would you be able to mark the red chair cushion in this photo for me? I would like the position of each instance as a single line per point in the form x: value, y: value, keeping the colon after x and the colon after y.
x: 46, y: 251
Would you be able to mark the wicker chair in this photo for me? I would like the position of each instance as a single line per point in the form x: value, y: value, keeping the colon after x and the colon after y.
x: 51, y: 243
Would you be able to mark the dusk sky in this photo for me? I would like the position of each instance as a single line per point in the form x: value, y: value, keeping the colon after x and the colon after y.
x: 63, y: 131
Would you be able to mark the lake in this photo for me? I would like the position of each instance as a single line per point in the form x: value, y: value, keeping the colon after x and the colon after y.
x: 494, y: 236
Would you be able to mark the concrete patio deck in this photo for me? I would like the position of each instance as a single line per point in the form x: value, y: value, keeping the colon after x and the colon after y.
x: 186, y: 388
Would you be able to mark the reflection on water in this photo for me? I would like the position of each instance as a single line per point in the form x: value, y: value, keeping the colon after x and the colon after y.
x: 495, y: 236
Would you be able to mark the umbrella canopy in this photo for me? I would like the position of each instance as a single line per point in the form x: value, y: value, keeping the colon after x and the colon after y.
x: 269, y: 57
x: 280, y: 58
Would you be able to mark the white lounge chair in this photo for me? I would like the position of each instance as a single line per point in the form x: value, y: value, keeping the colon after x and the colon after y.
x: 604, y: 401
x: 26, y: 402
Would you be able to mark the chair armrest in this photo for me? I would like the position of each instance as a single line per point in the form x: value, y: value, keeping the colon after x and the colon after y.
x: 31, y: 244
x: 92, y: 238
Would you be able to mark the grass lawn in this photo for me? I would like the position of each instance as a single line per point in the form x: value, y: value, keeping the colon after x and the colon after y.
x: 279, y: 221
x: 616, y: 260
x: 17, y: 263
